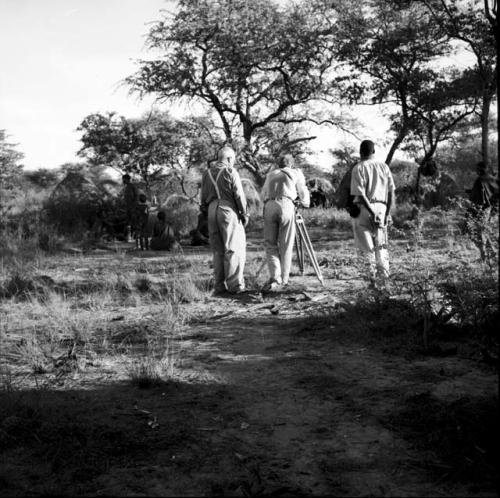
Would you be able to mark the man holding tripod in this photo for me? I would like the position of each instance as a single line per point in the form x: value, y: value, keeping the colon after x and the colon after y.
x: 281, y: 189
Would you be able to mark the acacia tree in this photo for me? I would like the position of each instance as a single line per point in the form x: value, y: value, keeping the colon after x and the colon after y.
x: 474, y: 23
x: 439, y: 106
x: 396, y: 44
x: 146, y: 146
x: 253, y: 63
x: 10, y: 174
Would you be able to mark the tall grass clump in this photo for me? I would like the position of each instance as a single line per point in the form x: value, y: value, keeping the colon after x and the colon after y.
x: 480, y: 226
x: 332, y: 217
x: 157, y: 365
x: 159, y: 359
x: 182, y: 217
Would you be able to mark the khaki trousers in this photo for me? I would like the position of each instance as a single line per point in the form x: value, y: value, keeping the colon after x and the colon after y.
x: 371, y: 242
x: 228, y: 242
x: 279, y: 237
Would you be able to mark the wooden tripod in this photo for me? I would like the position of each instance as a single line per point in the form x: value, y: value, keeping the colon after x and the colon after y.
x: 302, y: 241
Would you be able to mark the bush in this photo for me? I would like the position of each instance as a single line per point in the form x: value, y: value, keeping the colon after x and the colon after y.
x: 327, y: 218
x: 472, y: 296
x: 182, y: 217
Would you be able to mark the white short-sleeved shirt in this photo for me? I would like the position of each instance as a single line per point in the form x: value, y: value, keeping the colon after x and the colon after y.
x: 372, y: 178
x: 286, y: 182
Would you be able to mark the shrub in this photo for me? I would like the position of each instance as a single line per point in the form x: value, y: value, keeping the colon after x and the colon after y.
x: 182, y: 217
x: 327, y: 218
x: 472, y: 295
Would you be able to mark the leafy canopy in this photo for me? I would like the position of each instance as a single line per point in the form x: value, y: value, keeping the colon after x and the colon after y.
x: 252, y: 63
x: 144, y: 146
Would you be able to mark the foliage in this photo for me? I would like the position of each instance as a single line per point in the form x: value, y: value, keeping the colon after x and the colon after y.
x: 439, y: 104
x: 182, y: 218
x: 10, y: 175
x: 144, y: 146
x: 399, y: 44
x: 472, y: 296
x: 42, y: 178
x: 253, y: 63
x: 481, y: 227
x: 346, y: 156
x: 474, y: 25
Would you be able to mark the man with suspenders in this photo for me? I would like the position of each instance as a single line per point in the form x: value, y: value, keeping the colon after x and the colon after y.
x: 222, y: 197
x: 281, y: 188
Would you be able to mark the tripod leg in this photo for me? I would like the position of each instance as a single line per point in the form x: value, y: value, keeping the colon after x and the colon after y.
x: 310, y: 252
x: 300, y: 252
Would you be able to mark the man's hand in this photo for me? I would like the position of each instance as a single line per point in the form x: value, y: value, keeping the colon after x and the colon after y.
x: 378, y: 220
x: 244, y: 218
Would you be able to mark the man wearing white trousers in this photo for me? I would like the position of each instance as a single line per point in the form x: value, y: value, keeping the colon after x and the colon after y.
x: 372, y: 186
x: 280, y: 190
x: 222, y: 197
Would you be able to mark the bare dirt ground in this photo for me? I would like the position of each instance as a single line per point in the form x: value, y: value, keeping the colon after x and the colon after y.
x: 289, y: 394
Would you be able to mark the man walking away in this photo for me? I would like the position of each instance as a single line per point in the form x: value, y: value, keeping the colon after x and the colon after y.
x: 222, y: 197
x: 281, y: 188
x: 484, y: 192
x: 130, y: 197
x: 484, y: 199
x: 372, y: 185
x: 140, y: 223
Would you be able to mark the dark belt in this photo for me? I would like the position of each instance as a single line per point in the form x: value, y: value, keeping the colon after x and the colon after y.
x: 279, y: 198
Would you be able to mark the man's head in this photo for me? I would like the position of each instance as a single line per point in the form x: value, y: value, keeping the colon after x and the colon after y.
x: 161, y: 215
x: 286, y: 160
x: 126, y: 178
x: 142, y: 198
x: 226, y: 156
x: 366, y: 149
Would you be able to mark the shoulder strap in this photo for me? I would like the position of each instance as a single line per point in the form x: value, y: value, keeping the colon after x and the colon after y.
x: 214, y: 182
x: 288, y: 174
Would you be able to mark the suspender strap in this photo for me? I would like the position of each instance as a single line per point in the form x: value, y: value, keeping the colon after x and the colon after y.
x: 288, y: 174
x: 214, y: 182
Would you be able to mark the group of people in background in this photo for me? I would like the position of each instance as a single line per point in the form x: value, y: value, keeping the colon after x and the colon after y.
x: 224, y: 207
x: 160, y: 235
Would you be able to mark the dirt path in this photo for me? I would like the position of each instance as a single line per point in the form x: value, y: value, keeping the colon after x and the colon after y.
x: 318, y: 410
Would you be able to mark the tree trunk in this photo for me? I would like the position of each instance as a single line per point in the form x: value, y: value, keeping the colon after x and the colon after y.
x: 485, y: 129
x: 417, y: 188
x: 397, y: 142
x: 251, y: 164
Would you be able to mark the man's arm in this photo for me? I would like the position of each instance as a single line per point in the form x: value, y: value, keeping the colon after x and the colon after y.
x: 302, y: 190
x: 358, y: 188
x: 264, y: 193
x: 390, y: 202
x: 391, y: 196
x: 239, y: 197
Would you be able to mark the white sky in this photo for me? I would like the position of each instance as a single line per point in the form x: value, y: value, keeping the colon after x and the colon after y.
x: 64, y: 59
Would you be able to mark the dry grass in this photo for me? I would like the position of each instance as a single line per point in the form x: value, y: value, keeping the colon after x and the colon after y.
x: 67, y: 311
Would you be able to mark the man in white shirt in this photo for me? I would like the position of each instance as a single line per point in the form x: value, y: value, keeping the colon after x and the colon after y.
x: 224, y: 201
x: 373, y: 187
x: 281, y: 188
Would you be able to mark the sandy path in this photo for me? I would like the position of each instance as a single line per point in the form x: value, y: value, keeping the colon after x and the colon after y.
x: 317, y: 407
